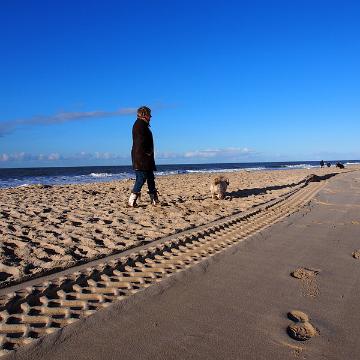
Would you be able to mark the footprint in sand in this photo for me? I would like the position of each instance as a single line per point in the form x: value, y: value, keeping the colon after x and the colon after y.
x: 4, y: 276
x: 308, y: 280
x: 304, y: 273
x: 356, y: 254
x: 301, y: 329
x: 7, y: 272
x: 298, y: 316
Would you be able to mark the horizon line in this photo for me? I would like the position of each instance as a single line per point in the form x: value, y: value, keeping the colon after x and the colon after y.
x: 182, y: 164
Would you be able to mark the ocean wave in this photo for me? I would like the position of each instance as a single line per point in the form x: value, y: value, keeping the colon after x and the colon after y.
x: 207, y: 171
x: 62, y: 176
x: 169, y: 172
x: 215, y: 170
x: 114, y: 176
x: 255, y: 169
x: 23, y: 185
x: 203, y: 171
x: 301, y: 166
x: 96, y: 175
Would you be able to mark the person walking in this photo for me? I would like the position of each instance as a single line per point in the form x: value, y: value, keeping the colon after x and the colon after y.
x: 142, y: 155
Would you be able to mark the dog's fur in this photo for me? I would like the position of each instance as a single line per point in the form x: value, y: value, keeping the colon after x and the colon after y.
x: 218, y: 187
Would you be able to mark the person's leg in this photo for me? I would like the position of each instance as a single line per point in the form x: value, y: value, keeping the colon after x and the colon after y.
x: 150, y: 182
x: 152, y: 188
x: 139, y: 182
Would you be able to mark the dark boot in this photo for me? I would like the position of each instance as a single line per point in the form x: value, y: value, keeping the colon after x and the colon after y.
x: 154, y: 199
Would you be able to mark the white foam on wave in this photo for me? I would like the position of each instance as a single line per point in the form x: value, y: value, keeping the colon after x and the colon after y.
x: 170, y: 172
x: 259, y: 168
x: 101, y: 175
x: 301, y: 166
x: 255, y: 169
x: 207, y: 171
x: 8, y: 186
x: 352, y: 163
x: 214, y: 170
x: 114, y: 176
x: 23, y: 185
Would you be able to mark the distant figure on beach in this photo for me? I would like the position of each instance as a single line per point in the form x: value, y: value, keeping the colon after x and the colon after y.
x: 340, y: 165
x: 322, y: 163
x: 328, y: 164
x: 142, y: 155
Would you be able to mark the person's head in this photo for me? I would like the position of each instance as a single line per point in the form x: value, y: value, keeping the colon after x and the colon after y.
x: 144, y: 113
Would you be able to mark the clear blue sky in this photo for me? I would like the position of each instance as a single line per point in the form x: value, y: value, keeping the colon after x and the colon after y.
x: 228, y: 81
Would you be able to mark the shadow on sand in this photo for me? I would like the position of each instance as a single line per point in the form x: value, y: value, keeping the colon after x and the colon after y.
x: 242, y: 193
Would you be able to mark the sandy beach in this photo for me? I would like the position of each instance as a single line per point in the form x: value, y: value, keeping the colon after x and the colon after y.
x: 179, y: 180
x: 302, y: 272
x: 47, y: 228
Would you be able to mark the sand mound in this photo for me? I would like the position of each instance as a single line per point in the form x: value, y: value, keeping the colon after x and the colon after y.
x: 301, y: 331
x: 298, y: 316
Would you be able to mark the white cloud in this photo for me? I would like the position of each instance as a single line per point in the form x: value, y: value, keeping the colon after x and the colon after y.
x: 23, y: 156
x: 4, y: 157
x: 7, y: 127
x: 225, y: 153
x: 54, y: 156
x: 231, y: 154
x: 106, y: 155
x: 168, y: 155
x: 14, y: 157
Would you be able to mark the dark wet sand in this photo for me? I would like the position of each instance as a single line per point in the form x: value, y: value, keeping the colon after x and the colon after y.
x: 235, y: 305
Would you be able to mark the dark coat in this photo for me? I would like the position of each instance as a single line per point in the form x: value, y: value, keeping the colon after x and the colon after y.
x: 142, y: 152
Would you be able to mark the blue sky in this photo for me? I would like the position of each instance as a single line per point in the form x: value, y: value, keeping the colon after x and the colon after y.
x: 229, y: 81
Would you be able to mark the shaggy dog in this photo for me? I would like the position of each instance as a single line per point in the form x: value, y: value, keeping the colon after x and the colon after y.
x: 218, y: 187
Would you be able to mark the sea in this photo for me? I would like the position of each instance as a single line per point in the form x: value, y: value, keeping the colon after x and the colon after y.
x: 16, y: 177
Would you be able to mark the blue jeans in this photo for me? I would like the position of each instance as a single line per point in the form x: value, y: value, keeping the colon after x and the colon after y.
x: 141, y: 177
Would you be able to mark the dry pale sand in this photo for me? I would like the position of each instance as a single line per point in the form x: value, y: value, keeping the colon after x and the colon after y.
x: 43, y: 228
